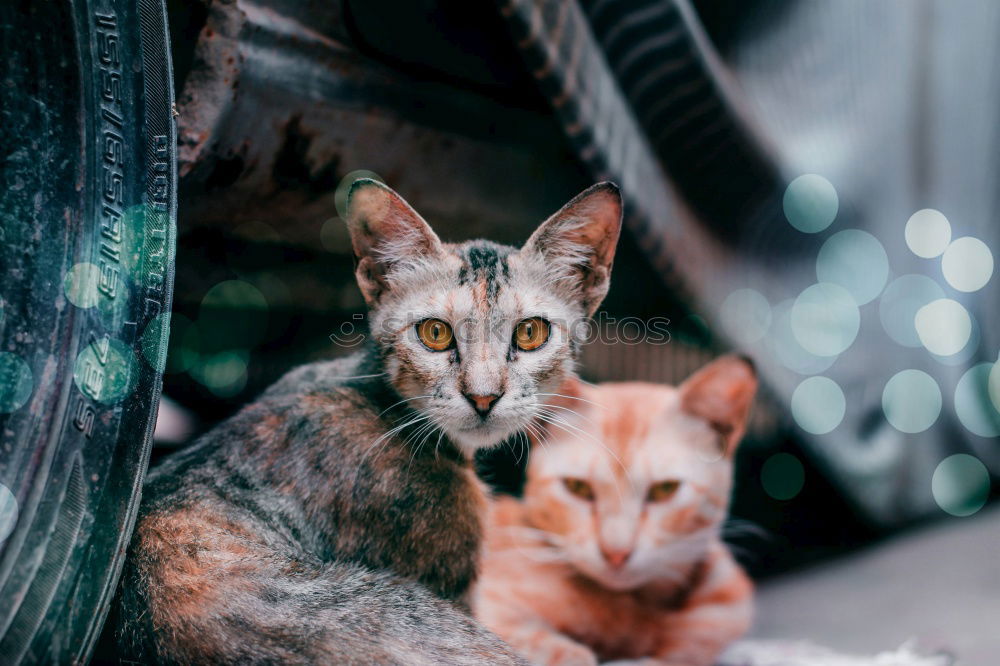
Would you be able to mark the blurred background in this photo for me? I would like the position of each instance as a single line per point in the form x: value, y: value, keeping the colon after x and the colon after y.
x: 810, y: 183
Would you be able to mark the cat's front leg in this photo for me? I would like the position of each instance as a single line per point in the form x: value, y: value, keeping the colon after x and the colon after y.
x: 543, y: 645
x: 718, y: 612
x: 653, y: 661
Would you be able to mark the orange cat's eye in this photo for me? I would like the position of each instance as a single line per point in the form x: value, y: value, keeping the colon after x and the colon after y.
x: 435, y: 334
x: 664, y: 490
x: 580, y: 488
x: 531, y: 333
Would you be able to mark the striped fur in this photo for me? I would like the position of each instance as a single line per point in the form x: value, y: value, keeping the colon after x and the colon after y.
x: 482, y: 290
x: 569, y: 580
x: 336, y: 519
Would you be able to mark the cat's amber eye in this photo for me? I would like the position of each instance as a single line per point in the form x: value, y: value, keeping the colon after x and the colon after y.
x: 580, y: 488
x: 435, y: 334
x: 531, y: 333
x: 661, y: 491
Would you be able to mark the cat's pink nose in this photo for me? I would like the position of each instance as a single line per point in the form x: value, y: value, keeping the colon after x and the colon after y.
x: 483, y: 404
x: 616, y: 557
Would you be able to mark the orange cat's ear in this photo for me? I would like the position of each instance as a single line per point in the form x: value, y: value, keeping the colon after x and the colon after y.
x: 721, y: 393
x: 385, y: 233
x: 580, y: 240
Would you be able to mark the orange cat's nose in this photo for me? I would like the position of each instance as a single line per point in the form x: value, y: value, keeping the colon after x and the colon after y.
x: 482, y: 403
x: 616, y: 558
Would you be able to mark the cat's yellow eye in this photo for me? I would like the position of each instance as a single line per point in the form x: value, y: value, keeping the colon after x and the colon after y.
x: 580, y: 488
x: 435, y: 334
x: 661, y: 491
x: 531, y: 333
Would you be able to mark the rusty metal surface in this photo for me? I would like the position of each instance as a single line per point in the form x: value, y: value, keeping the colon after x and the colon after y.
x: 282, y: 100
x: 276, y: 111
x: 279, y: 103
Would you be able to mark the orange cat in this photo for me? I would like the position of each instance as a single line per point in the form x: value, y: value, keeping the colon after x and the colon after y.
x: 614, y: 552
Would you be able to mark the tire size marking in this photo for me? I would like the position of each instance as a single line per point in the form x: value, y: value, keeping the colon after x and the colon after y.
x: 84, y: 416
x: 111, y: 203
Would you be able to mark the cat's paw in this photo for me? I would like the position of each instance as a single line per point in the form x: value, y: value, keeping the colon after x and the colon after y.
x: 562, y: 653
x: 644, y: 661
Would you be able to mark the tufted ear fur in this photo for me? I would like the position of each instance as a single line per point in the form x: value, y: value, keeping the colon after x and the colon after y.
x: 386, y: 234
x: 721, y: 394
x: 579, y: 242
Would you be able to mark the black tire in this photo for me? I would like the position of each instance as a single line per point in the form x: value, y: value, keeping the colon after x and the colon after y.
x: 87, y: 199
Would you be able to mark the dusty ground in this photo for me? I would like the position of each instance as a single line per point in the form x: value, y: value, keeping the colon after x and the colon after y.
x: 939, y: 584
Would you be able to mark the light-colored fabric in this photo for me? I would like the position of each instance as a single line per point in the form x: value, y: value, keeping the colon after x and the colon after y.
x: 802, y: 653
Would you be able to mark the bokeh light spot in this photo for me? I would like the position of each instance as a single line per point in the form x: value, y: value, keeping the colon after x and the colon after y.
x: 856, y: 261
x: 8, y: 512
x: 183, y: 346
x: 967, y: 264
x: 154, y: 342
x: 106, y: 370
x: 334, y: 237
x: 787, y: 349
x: 16, y: 382
x: 967, y: 352
x: 224, y: 374
x: 693, y: 329
x: 973, y: 404
x: 235, y: 294
x: 818, y: 405
x: 115, y: 310
x: 927, y: 233
x: 782, y: 476
x: 139, y: 223
x: 943, y: 326
x: 993, y: 385
x: 344, y: 188
x: 274, y: 289
x: 746, y: 315
x: 960, y: 485
x: 825, y: 319
x: 80, y: 285
x: 810, y: 203
x: 911, y: 401
x: 233, y: 315
x: 897, y: 309
x: 257, y: 231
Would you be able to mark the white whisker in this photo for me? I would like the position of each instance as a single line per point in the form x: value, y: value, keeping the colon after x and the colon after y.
x: 571, y: 411
x: 559, y: 422
x: 416, y: 397
x: 537, y: 433
x: 386, y: 437
x: 378, y: 374
x: 563, y: 426
x: 573, y: 397
x: 437, y: 444
x: 425, y: 432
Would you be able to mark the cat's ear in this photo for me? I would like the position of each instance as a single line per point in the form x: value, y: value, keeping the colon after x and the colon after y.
x: 386, y: 234
x: 721, y: 394
x: 579, y: 242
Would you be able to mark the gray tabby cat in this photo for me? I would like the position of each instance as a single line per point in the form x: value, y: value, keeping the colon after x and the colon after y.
x: 337, y: 518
